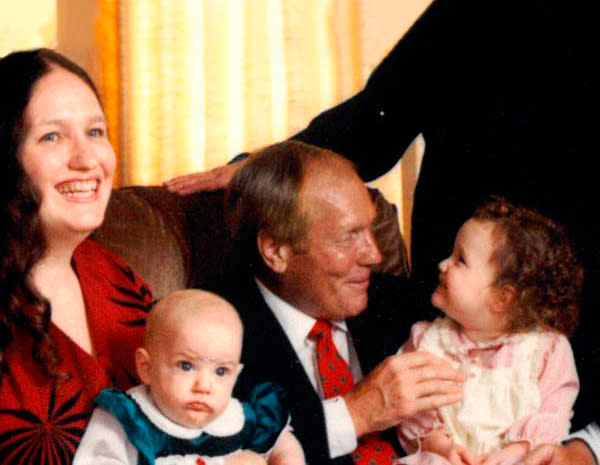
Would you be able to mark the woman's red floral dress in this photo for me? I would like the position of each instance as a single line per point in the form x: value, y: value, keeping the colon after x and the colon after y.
x: 41, y: 421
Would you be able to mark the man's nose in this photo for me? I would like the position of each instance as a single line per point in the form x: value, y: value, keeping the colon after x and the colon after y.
x: 371, y: 253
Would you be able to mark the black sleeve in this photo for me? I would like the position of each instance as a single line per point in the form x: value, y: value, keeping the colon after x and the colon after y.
x: 404, y: 92
x: 374, y: 127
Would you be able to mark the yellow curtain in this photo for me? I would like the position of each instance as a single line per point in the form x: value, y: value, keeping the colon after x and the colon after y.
x: 188, y: 84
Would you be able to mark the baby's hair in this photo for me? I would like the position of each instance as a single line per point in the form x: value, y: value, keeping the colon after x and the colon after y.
x: 534, y: 256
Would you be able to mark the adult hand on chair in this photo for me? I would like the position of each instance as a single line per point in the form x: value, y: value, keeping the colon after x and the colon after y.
x: 214, y: 179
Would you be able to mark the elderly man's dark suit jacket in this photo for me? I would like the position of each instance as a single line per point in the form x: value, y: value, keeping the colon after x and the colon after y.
x: 268, y: 356
x: 506, y: 94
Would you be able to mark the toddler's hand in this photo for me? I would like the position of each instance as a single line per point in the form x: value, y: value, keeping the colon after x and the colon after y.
x: 439, y: 443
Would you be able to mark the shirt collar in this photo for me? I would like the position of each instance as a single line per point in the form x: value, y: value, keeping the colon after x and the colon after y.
x: 295, y: 323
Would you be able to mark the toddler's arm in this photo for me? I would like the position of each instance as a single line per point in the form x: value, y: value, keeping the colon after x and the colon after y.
x: 558, y: 385
x: 287, y: 451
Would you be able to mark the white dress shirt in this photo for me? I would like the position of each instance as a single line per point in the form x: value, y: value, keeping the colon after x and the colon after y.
x: 591, y: 435
x: 297, y: 325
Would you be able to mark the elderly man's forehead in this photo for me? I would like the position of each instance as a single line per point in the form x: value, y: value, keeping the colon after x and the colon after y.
x: 328, y: 190
x: 322, y: 175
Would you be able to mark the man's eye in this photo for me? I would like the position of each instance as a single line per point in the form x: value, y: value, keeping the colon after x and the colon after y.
x: 185, y: 366
x: 350, y: 236
x: 222, y: 371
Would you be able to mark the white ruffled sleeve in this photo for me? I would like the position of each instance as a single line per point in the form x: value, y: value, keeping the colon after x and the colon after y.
x: 105, y: 442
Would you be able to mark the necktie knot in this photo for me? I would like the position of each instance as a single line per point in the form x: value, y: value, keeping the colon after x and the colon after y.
x: 321, y: 329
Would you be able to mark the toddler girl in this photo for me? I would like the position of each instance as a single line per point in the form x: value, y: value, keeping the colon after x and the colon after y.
x: 184, y: 413
x: 510, y: 294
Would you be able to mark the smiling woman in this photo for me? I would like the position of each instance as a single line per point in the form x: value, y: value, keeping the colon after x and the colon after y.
x: 66, y: 154
x: 66, y: 303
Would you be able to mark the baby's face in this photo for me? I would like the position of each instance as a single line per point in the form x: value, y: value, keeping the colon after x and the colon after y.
x: 466, y: 291
x: 192, y: 374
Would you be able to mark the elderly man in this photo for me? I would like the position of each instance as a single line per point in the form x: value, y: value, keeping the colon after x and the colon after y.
x: 506, y: 95
x: 303, y: 219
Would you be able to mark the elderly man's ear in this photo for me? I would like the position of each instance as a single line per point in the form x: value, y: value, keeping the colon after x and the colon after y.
x: 275, y: 254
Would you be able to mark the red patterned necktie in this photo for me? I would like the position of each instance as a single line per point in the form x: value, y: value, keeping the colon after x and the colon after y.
x: 336, y: 379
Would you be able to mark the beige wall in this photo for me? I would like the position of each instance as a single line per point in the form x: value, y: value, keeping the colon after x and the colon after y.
x: 27, y: 24
x: 67, y: 25
x: 383, y: 22
x: 75, y: 33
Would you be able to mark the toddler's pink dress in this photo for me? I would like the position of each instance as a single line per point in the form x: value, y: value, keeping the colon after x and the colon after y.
x: 520, y: 387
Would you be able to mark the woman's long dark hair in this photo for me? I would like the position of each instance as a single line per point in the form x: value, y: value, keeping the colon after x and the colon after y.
x: 22, y: 242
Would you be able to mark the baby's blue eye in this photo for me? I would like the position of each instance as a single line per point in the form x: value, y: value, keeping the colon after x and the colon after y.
x: 221, y: 371
x: 185, y: 366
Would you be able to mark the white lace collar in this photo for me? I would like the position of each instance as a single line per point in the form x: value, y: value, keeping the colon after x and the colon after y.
x: 230, y: 422
x: 454, y: 341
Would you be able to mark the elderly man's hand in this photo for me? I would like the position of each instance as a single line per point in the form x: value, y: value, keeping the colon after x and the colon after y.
x: 401, y: 386
x: 573, y: 453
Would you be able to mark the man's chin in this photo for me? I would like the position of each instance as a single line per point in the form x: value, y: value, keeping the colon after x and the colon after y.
x: 358, y: 305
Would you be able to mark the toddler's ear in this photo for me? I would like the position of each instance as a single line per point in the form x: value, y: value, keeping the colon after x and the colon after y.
x: 142, y: 364
x: 504, y: 297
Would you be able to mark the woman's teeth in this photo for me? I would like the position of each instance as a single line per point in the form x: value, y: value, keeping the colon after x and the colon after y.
x: 78, y: 188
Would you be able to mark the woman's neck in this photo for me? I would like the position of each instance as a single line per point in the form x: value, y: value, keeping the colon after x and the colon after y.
x: 53, y: 267
x: 56, y: 279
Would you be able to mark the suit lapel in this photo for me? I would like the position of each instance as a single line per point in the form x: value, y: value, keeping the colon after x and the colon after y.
x: 265, y: 336
x: 268, y: 356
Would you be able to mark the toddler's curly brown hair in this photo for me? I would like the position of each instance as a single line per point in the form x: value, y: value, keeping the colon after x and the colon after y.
x: 535, y: 257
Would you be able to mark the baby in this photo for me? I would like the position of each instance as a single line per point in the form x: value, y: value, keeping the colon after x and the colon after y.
x: 510, y: 292
x: 184, y: 413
